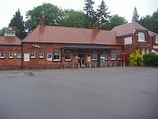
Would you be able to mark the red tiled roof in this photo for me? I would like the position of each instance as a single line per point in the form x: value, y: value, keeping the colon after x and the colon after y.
x: 5, y: 40
x: 57, y: 34
x: 153, y: 33
x: 128, y: 28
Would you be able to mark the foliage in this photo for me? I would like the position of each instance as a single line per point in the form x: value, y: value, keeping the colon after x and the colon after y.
x: 146, y: 22
x: 155, y: 21
x: 18, y: 24
x: 115, y: 20
x: 2, y: 31
x: 150, y: 22
x: 73, y: 18
x: 52, y: 13
x: 135, y: 15
x: 90, y: 13
x: 150, y: 59
x: 135, y: 59
x: 102, y: 14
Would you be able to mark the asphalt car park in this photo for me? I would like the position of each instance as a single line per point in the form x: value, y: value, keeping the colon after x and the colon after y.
x: 85, y: 93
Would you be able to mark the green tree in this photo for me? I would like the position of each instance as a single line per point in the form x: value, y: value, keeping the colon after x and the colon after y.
x: 150, y: 22
x: 18, y: 24
x: 135, y: 59
x: 155, y: 21
x: 114, y: 20
x: 147, y: 22
x: 2, y: 31
x: 90, y: 13
x: 52, y: 13
x: 135, y: 15
x: 102, y: 14
x: 73, y: 18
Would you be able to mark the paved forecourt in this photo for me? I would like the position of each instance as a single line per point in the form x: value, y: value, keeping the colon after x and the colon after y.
x: 86, y: 93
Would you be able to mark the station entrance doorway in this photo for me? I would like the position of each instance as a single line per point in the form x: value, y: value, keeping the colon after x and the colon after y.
x: 81, y: 58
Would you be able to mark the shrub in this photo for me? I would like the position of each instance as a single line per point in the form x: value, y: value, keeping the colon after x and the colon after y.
x: 135, y: 59
x: 150, y: 59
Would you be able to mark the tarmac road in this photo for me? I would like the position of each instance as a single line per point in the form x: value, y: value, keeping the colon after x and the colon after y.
x: 90, y: 93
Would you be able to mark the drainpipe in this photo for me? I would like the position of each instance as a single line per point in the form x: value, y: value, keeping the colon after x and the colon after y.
x: 22, y: 55
x: 62, y: 50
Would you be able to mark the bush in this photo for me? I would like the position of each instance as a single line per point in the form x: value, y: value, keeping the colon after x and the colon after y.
x: 150, y: 59
x: 135, y: 59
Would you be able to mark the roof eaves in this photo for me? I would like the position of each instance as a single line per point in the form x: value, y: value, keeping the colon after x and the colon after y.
x: 70, y: 43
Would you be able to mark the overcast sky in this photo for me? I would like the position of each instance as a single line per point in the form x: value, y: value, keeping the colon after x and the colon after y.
x: 123, y: 8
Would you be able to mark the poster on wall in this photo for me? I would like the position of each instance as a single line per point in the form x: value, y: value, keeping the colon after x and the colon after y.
x: 26, y: 57
x: 49, y: 57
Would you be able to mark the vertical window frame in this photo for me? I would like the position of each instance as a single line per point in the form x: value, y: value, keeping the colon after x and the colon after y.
x: 32, y: 54
x: 41, y: 54
x: 118, y: 55
x: 56, y: 56
x: 113, y: 55
x: 94, y: 55
x: 18, y: 55
x: 68, y: 55
x: 2, y: 55
x: 11, y: 55
x: 141, y: 37
x: 156, y: 39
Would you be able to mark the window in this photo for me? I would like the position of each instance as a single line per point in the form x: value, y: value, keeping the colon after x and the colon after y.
x: 105, y: 55
x: 128, y: 40
x: 56, y: 56
x: 143, y: 52
x: 112, y: 55
x: 10, y: 54
x: 118, y: 55
x: 2, y: 55
x: 141, y: 37
x: 41, y: 54
x: 32, y: 54
x: 147, y: 51
x: 67, y: 55
x: 18, y: 54
x: 94, y: 55
x: 156, y: 39
x: 9, y: 34
x: 49, y: 57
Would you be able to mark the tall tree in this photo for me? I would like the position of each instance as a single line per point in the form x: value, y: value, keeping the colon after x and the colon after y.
x: 90, y: 13
x: 52, y: 13
x: 18, y: 24
x: 150, y: 22
x: 135, y: 15
x: 147, y: 22
x: 155, y: 21
x: 102, y: 14
x: 73, y: 18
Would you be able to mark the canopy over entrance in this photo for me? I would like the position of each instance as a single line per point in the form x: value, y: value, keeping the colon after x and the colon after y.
x: 88, y: 47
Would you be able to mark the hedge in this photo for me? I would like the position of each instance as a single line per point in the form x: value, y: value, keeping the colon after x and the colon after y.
x: 150, y: 59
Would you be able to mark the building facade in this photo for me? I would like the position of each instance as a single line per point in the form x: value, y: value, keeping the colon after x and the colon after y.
x: 10, y: 51
x: 62, y: 47
x: 65, y: 47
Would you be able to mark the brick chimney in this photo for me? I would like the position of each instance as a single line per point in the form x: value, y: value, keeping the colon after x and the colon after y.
x: 96, y: 25
x: 43, y: 21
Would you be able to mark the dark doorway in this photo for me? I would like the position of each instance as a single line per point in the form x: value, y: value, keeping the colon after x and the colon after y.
x: 81, y: 60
